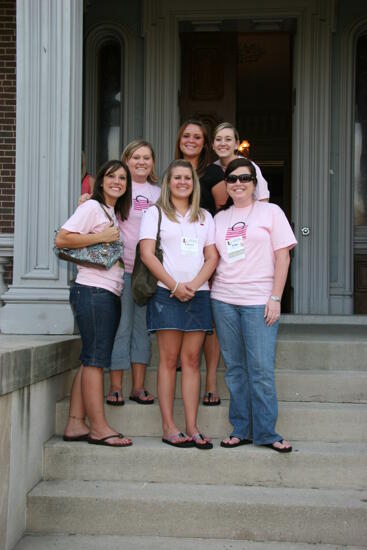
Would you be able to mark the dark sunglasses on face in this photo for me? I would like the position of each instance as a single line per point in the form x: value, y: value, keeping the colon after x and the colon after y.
x: 232, y: 178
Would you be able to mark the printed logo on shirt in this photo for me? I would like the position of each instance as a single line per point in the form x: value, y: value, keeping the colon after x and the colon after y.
x: 239, y: 229
x: 141, y: 203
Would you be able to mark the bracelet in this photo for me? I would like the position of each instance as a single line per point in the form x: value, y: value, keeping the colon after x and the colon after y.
x: 275, y: 298
x: 174, y: 290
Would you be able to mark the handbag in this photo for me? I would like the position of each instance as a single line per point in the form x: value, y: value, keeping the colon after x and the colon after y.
x: 102, y: 255
x: 143, y: 282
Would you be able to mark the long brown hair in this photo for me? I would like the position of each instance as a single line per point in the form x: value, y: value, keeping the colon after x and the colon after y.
x: 123, y: 203
x: 204, y: 155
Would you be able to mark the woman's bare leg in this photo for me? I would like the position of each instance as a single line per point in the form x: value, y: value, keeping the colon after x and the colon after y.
x: 169, y: 345
x: 211, y: 353
x: 190, y: 356
x: 76, y: 422
x: 92, y: 391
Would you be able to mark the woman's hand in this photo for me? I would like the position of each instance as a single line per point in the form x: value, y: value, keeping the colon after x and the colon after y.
x: 272, y: 312
x: 83, y: 198
x: 109, y: 235
x: 184, y: 292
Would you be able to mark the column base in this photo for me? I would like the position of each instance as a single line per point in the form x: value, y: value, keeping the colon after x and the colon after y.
x: 36, y: 311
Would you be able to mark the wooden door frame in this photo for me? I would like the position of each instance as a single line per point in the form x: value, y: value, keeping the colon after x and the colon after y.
x: 311, y: 119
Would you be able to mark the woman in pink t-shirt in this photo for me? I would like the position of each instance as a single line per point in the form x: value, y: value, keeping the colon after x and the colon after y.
x: 95, y: 298
x: 253, y: 239
x: 192, y: 144
x: 132, y: 347
x: 179, y: 311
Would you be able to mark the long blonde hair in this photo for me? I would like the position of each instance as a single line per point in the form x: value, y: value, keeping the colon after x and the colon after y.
x: 164, y: 201
x: 133, y: 146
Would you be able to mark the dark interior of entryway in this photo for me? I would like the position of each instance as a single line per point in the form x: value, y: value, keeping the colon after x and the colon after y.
x: 245, y: 78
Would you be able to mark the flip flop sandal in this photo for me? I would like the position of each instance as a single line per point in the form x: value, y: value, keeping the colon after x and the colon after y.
x: 211, y: 399
x: 232, y: 445
x: 104, y: 441
x: 170, y: 440
x: 83, y: 437
x: 137, y: 396
x: 200, y: 437
x: 117, y: 403
x: 279, y: 449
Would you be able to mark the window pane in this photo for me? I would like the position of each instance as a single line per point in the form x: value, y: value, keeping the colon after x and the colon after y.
x: 360, y: 135
x: 109, y: 108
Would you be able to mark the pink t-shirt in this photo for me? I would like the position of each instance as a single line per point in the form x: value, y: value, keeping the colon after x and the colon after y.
x: 182, y: 243
x: 261, y: 189
x: 248, y: 280
x: 90, y: 218
x: 143, y: 196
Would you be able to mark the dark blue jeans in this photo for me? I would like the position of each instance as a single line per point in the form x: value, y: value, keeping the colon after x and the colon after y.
x: 248, y: 348
x: 97, y: 312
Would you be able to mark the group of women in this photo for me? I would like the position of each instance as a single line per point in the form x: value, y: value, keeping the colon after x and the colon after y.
x: 228, y: 273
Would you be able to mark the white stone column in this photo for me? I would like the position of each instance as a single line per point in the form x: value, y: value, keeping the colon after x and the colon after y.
x: 48, y: 149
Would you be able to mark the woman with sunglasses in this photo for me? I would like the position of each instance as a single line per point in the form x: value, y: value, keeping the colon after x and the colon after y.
x: 193, y: 145
x: 95, y: 298
x: 253, y: 239
x: 179, y: 311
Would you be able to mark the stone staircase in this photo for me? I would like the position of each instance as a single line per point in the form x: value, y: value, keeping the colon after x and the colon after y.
x: 249, y: 498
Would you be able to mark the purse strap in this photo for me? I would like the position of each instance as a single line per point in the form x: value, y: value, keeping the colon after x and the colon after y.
x: 158, y: 238
x: 107, y: 214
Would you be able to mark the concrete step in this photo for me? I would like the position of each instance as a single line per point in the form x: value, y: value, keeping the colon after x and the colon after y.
x: 298, y: 421
x: 321, y: 465
x: 187, y: 510
x: 292, y: 385
x: 112, y: 542
x: 315, y: 347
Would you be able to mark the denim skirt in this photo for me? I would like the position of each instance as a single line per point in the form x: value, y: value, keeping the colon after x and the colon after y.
x: 165, y: 313
x: 97, y: 312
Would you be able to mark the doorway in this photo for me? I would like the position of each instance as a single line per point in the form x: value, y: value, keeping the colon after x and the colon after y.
x: 245, y: 78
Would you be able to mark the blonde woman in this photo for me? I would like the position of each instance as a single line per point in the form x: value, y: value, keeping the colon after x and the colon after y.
x: 179, y: 311
x: 132, y: 347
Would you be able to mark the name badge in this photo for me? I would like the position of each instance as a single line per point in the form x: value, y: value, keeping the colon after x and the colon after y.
x: 189, y: 246
x: 235, y: 249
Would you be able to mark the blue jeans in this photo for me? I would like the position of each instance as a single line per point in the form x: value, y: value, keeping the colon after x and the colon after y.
x: 132, y: 341
x: 97, y: 312
x: 248, y: 349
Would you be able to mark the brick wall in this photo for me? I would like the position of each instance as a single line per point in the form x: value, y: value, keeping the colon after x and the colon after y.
x: 7, y: 116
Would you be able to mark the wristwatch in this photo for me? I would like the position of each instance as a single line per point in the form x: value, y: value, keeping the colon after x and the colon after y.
x: 275, y: 298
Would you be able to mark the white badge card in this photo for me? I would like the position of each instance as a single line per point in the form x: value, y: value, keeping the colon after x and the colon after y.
x: 235, y: 249
x: 189, y: 246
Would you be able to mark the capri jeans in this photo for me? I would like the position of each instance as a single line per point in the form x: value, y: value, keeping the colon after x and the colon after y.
x: 97, y: 312
x: 248, y: 348
x: 132, y: 341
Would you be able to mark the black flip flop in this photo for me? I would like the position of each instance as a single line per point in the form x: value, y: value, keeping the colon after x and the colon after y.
x: 209, y: 395
x: 181, y: 444
x: 203, y: 446
x: 82, y: 437
x: 232, y: 445
x: 277, y: 449
x: 136, y: 397
x: 116, y: 403
x: 104, y: 441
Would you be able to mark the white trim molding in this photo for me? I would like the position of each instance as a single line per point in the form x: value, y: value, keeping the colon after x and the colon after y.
x: 97, y: 36
x: 311, y: 121
x: 49, y: 95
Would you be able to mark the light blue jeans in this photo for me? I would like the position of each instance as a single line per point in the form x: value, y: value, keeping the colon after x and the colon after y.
x: 248, y: 349
x: 132, y: 341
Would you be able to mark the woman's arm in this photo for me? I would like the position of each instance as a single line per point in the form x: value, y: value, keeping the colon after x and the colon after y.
x: 148, y: 257
x: 66, y: 239
x: 211, y: 259
x: 220, y: 195
x: 272, y: 308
